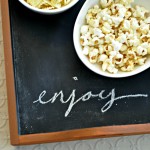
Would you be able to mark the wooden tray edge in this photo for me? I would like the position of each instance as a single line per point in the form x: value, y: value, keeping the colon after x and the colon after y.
x: 82, y: 134
x: 9, y: 73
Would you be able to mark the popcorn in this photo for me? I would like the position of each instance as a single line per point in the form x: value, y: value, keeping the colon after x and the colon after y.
x: 101, y: 41
x: 101, y: 49
x: 128, y: 15
x: 141, y: 51
x: 48, y: 4
x: 145, y: 38
x: 103, y: 57
x: 147, y: 20
x: 119, y: 58
x: 105, y: 3
x: 117, y: 21
x: 111, y: 68
x: 134, y: 24
x: 148, y: 50
x: 105, y: 13
x: 116, y: 36
x: 95, y: 10
x: 140, y: 12
x: 107, y: 48
x: 95, y: 41
x: 112, y: 54
x: 93, y: 55
x: 118, y: 10
x: 86, y: 50
x: 145, y: 45
x: 126, y: 25
x: 141, y: 61
x: 105, y: 65
x: 94, y: 23
x: 124, y: 47
x: 144, y: 28
x: 89, y: 17
x: 128, y: 68
x: 107, y: 25
x: 107, y: 17
x: 105, y: 30
x: 122, y: 38
x: 132, y: 55
x: 98, y: 33
x: 134, y: 42
x: 116, y: 45
x: 84, y: 41
x: 109, y: 38
x: 84, y: 29
x: 125, y: 2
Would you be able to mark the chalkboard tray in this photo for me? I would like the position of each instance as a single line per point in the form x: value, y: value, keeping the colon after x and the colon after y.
x: 52, y: 96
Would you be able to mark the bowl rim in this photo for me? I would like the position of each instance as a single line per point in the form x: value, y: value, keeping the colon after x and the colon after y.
x: 72, y: 3
x: 89, y: 65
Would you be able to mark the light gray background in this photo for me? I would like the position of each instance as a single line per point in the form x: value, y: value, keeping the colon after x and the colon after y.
x: 141, y: 142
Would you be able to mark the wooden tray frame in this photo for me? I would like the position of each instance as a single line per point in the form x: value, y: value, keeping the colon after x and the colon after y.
x: 69, y: 135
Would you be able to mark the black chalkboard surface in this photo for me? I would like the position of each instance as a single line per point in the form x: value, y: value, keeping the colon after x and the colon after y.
x: 54, y: 91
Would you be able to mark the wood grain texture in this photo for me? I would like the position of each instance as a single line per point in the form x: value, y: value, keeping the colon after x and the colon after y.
x: 100, y: 132
x: 9, y: 73
x: 55, y: 136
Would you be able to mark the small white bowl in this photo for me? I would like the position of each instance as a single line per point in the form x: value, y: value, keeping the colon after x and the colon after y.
x: 49, y: 12
x: 94, y: 67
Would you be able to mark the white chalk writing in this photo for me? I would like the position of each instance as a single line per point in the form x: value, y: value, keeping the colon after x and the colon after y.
x: 72, y: 100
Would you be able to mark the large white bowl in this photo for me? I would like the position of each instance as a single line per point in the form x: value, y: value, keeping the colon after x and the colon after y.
x: 94, y: 67
x: 49, y: 12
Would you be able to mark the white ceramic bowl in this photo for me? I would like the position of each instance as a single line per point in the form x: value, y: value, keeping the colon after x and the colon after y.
x: 49, y: 12
x: 94, y: 67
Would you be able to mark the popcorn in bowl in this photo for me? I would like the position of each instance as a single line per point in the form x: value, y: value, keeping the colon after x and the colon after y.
x: 116, y: 35
x: 48, y: 4
x: 48, y: 7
